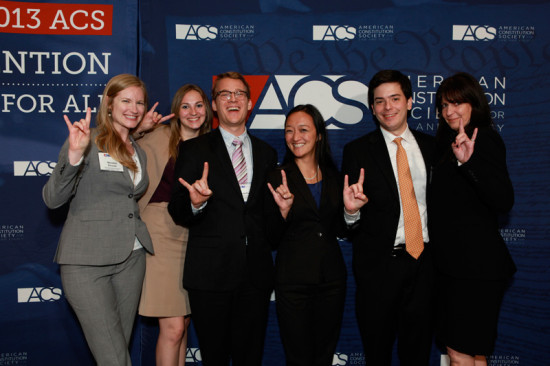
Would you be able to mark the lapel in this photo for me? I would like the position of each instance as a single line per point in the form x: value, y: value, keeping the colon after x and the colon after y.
x: 257, y: 167
x: 330, y: 184
x: 143, y: 165
x: 296, y: 180
x: 125, y: 177
x: 220, y: 151
x: 379, y: 150
x: 155, y: 145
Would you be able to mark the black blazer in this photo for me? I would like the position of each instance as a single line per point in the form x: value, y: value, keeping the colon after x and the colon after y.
x: 464, y: 205
x: 308, y: 249
x: 227, y: 241
x: 373, y: 235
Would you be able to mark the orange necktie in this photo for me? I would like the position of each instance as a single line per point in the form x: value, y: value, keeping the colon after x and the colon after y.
x: 414, y: 241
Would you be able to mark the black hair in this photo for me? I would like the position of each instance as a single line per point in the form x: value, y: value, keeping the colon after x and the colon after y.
x: 323, y: 155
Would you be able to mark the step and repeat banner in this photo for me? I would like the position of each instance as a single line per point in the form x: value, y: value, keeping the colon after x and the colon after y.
x: 57, y: 56
x: 55, y: 59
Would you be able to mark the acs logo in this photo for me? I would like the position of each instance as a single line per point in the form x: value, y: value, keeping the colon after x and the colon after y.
x: 341, y: 100
x: 334, y: 32
x: 340, y: 359
x: 35, y: 168
x: 38, y: 294
x: 474, y: 33
x: 196, y: 32
x: 193, y: 355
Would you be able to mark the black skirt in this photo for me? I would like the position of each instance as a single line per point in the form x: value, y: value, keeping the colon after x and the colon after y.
x: 467, y: 313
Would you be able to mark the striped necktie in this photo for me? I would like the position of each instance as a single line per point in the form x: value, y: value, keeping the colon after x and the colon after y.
x: 239, y: 163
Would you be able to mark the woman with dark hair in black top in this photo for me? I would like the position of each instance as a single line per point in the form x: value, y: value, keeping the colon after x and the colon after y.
x: 470, y: 188
x: 307, y: 218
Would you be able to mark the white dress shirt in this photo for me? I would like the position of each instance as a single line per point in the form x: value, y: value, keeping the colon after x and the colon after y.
x: 228, y: 139
x: 418, y: 173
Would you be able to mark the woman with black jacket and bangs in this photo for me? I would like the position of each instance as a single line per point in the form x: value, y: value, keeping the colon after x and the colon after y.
x: 470, y: 187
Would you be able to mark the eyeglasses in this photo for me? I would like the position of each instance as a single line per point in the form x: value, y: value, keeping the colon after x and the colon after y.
x: 226, y: 94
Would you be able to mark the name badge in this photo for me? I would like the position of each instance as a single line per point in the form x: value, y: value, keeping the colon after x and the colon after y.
x: 107, y: 163
x: 245, y: 190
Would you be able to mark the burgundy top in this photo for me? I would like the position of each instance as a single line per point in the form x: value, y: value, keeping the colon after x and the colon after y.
x: 164, y: 189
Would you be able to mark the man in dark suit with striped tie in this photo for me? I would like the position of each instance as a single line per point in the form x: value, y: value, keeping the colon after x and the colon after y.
x: 228, y: 269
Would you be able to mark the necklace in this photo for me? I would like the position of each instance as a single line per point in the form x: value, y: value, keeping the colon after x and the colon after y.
x: 315, y: 176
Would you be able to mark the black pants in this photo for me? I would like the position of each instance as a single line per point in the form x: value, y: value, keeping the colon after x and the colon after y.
x: 230, y: 325
x: 397, y: 301
x: 310, y: 318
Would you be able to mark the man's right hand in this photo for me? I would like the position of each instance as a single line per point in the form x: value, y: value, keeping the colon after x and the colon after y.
x: 199, y: 192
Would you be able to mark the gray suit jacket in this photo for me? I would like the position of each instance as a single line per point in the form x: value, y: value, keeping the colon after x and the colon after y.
x: 103, y: 218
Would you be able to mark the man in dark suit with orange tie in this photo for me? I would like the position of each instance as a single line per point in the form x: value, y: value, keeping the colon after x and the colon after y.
x: 228, y: 268
x: 392, y: 262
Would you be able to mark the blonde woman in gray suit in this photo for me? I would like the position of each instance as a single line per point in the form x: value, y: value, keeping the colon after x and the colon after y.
x: 163, y: 294
x: 101, y: 174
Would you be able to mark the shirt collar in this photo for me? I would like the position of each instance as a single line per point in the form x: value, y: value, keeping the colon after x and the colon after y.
x: 389, y: 137
x: 229, y: 137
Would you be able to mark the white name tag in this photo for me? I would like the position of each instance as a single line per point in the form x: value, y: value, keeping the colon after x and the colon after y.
x: 107, y: 163
x: 245, y: 190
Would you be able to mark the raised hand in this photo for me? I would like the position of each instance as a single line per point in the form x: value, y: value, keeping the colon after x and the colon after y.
x: 199, y: 192
x: 354, y: 198
x: 282, y: 195
x: 463, y: 146
x: 151, y: 119
x: 79, y: 136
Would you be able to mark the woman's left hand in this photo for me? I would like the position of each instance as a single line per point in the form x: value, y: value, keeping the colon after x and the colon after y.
x: 463, y: 146
x: 151, y: 119
x: 282, y: 195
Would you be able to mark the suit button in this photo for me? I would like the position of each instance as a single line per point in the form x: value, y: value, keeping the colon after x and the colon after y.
x: 130, y: 216
x: 130, y: 195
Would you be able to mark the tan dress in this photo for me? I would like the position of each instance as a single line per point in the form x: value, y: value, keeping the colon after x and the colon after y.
x: 162, y: 294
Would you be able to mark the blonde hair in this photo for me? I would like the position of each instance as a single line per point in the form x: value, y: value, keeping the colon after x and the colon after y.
x: 175, y: 123
x: 107, y: 139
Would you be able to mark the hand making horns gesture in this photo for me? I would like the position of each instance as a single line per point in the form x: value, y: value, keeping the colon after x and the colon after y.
x: 463, y: 146
x: 282, y: 196
x: 151, y: 119
x: 354, y: 198
x: 79, y: 136
x: 199, y: 192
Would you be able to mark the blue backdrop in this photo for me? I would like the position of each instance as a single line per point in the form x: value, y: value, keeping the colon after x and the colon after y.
x: 57, y: 56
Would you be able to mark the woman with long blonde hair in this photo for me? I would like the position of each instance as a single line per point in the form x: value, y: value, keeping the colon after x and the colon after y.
x: 101, y: 174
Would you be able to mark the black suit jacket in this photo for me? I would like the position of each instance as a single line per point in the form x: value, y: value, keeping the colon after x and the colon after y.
x: 465, y: 202
x: 373, y: 235
x: 308, y: 250
x: 227, y: 241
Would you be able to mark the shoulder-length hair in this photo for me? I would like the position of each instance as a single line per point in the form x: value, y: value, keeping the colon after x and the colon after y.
x: 175, y: 123
x: 464, y: 88
x: 107, y: 139
x: 323, y: 155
